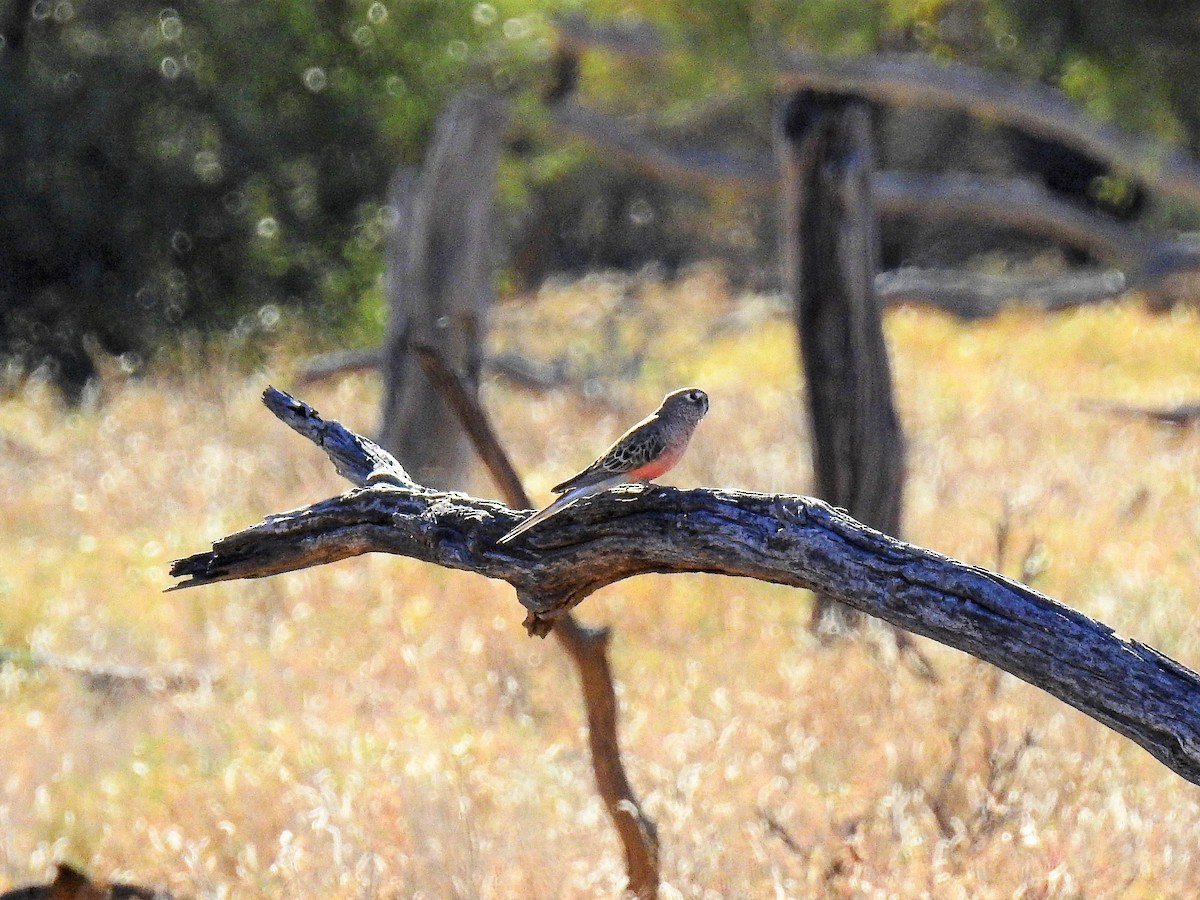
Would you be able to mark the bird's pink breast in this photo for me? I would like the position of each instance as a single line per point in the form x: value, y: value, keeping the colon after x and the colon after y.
x: 661, y: 464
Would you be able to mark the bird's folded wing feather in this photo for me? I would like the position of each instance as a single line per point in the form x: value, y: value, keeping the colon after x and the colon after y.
x: 573, y: 496
x: 630, y: 452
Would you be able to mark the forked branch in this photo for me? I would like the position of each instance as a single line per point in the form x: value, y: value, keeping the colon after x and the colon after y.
x: 778, y: 538
x: 587, y: 647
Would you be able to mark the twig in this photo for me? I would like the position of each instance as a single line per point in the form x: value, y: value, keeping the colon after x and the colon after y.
x: 776, y: 828
x: 1179, y: 416
x: 108, y: 679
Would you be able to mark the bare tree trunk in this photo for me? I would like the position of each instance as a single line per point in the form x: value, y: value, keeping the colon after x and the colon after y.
x: 439, y: 281
x: 830, y: 257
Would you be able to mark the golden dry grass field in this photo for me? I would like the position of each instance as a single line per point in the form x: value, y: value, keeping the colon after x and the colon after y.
x: 381, y: 728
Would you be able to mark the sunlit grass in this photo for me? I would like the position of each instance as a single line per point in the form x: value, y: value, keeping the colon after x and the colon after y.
x: 382, y: 728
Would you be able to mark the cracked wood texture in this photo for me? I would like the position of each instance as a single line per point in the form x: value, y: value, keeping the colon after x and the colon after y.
x: 783, y: 539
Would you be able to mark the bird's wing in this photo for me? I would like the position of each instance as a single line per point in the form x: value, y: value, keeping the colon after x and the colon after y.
x: 561, y: 503
x: 631, y: 451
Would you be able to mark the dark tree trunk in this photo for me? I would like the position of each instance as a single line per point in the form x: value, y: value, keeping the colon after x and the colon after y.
x: 830, y: 258
x: 439, y: 282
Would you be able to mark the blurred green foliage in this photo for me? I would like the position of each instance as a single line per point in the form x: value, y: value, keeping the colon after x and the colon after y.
x: 1133, y: 61
x: 221, y: 164
x: 186, y: 167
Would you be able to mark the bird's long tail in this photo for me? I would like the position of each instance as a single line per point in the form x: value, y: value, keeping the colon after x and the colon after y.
x: 567, y: 499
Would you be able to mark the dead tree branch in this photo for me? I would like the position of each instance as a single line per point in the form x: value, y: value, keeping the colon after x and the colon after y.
x: 1179, y: 416
x: 475, y: 422
x: 1040, y: 110
x: 113, y: 680
x: 912, y: 80
x: 1018, y: 203
x: 779, y: 538
x: 338, y: 362
x: 693, y: 167
x: 977, y: 295
x: 630, y: 38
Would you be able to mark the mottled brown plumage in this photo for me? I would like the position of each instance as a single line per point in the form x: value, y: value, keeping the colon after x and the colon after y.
x: 647, y: 450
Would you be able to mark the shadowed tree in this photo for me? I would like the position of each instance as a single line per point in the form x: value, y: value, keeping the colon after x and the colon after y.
x: 830, y: 258
x: 439, y: 281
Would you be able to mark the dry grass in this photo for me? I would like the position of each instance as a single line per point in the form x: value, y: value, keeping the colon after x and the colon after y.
x: 381, y: 728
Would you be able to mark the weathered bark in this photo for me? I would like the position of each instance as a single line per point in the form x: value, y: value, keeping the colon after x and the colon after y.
x: 782, y: 539
x: 439, y: 280
x: 830, y: 258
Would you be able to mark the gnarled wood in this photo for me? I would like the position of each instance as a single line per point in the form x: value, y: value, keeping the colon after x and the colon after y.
x: 782, y: 539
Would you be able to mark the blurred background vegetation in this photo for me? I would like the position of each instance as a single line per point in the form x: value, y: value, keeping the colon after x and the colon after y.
x: 221, y: 165
x: 216, y: 171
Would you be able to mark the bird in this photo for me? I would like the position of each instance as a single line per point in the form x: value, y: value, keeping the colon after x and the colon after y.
x: 647, y: 450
